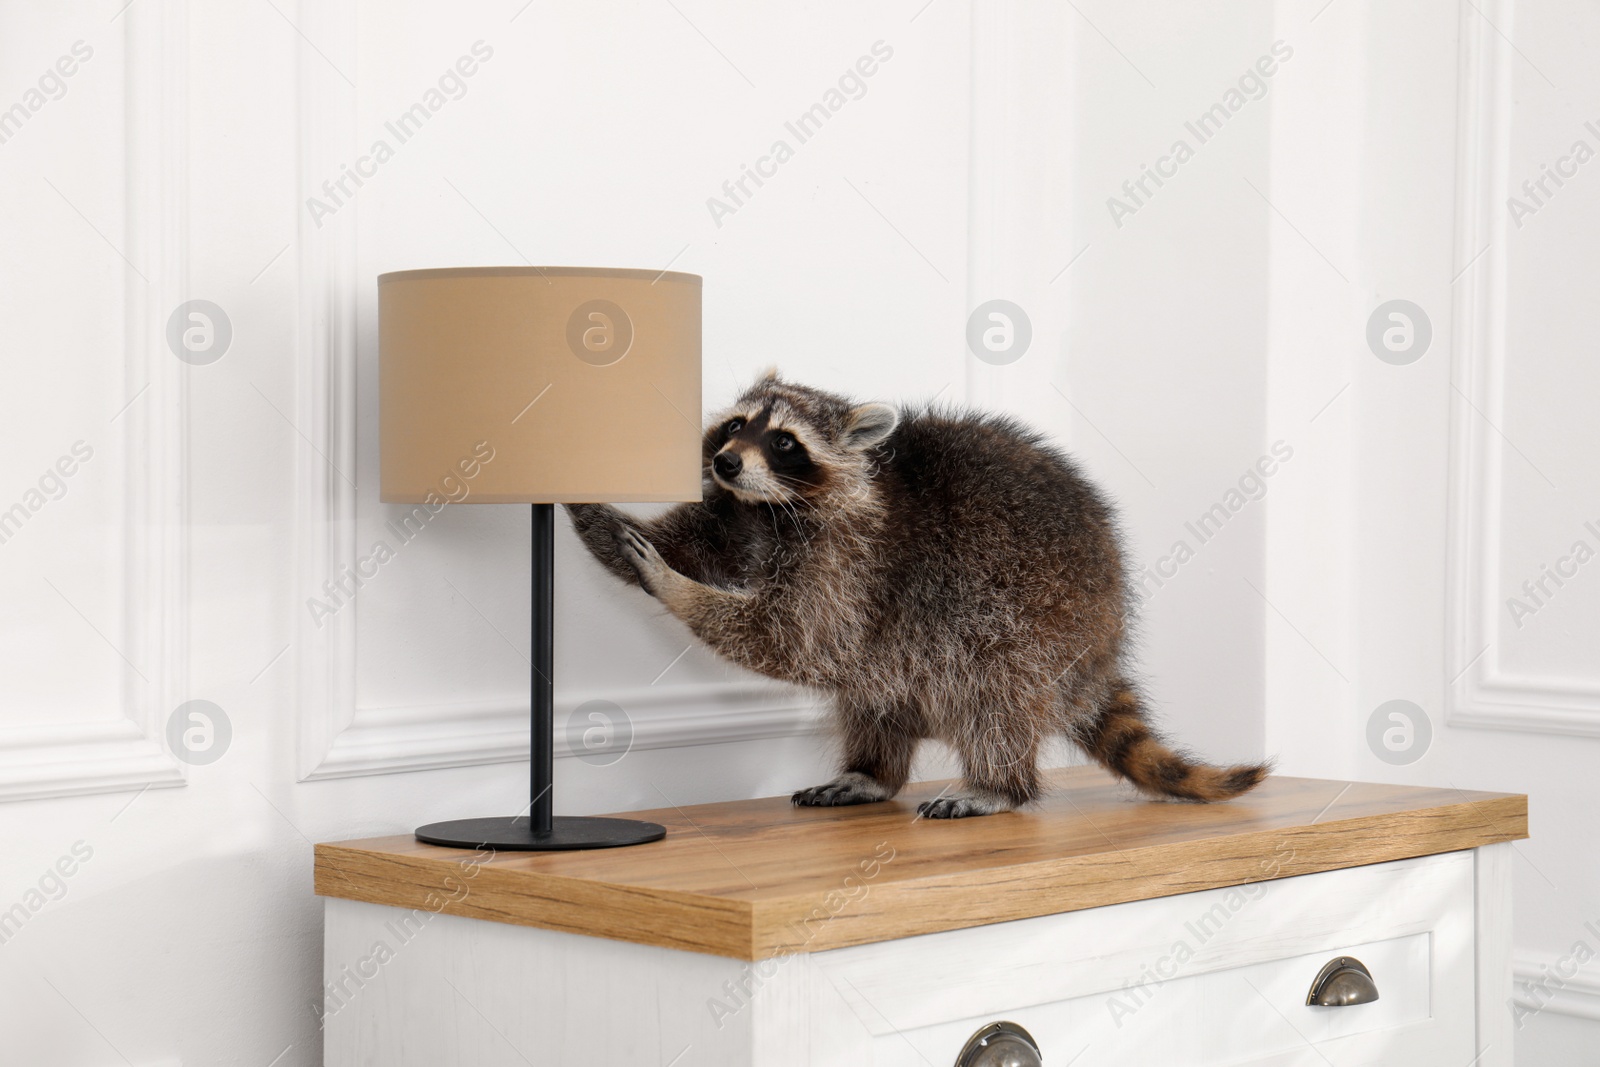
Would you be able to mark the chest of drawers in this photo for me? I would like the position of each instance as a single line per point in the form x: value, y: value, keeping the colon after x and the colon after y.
x: 1106, y: 929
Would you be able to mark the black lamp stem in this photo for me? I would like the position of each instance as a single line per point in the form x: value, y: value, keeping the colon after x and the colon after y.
x: 541, y: 763
x: 539, y: 830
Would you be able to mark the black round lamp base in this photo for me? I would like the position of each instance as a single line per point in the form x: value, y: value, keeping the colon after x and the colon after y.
x: 516, y: 834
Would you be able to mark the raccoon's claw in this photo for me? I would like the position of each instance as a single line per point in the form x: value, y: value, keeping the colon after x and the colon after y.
x: 852, y: 788
x: 645, y: 560
x: 961, y: 806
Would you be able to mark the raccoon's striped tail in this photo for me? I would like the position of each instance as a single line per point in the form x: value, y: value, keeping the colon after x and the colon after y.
x: 1122, y: 741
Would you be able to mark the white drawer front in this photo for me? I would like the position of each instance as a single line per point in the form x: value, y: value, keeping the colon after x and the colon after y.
x: 1205, y: 979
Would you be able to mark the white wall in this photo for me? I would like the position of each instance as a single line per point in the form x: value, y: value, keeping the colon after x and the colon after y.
x: 1171, y: 355
x: 1433, y: 489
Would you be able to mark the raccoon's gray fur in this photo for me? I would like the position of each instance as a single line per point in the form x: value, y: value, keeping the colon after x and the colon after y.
x: 940, y: 575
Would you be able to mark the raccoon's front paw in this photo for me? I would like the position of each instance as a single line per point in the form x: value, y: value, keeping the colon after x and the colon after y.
x: 647, y: 563
x: 850, y: 788
x: 963, y: 805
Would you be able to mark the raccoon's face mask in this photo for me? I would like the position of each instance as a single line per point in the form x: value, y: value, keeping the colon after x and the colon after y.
x: 765, y: 450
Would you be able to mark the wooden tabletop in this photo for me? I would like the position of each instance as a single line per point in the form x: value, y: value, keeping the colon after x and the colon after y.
x: 759, y: 878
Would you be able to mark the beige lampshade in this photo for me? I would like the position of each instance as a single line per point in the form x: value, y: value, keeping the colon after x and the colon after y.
x: 583, y: 384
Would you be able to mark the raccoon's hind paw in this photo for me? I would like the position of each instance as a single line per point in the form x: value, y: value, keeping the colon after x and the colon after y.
x: 850, y: 788
x: 963, y: 805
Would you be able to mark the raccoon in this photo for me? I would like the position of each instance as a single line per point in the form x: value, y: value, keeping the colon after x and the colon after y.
x: 940, y: 574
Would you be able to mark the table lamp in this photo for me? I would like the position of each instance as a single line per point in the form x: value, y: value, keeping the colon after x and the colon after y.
x: 583, y: 385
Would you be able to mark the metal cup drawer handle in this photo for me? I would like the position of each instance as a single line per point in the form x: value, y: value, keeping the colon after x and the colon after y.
x: 1343, y: 980
x: 1000, y: 1045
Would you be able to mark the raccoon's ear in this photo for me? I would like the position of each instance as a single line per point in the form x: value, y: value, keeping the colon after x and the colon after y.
x: 869, y: 425
x: 768, y: 375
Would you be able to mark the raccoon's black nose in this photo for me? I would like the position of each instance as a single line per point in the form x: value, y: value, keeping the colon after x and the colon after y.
x: 728, y: 464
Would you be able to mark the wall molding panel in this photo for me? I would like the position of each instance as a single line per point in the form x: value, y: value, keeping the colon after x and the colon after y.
x: 1578, y: 997
x: 67, y: 759
x: 1481, y: 693
x: 430, y: 736
x: 338, y: 737
x: 325, y: 503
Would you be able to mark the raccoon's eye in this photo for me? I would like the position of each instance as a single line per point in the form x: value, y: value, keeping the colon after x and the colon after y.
x: 734, y: 426
x: 784, y: 442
